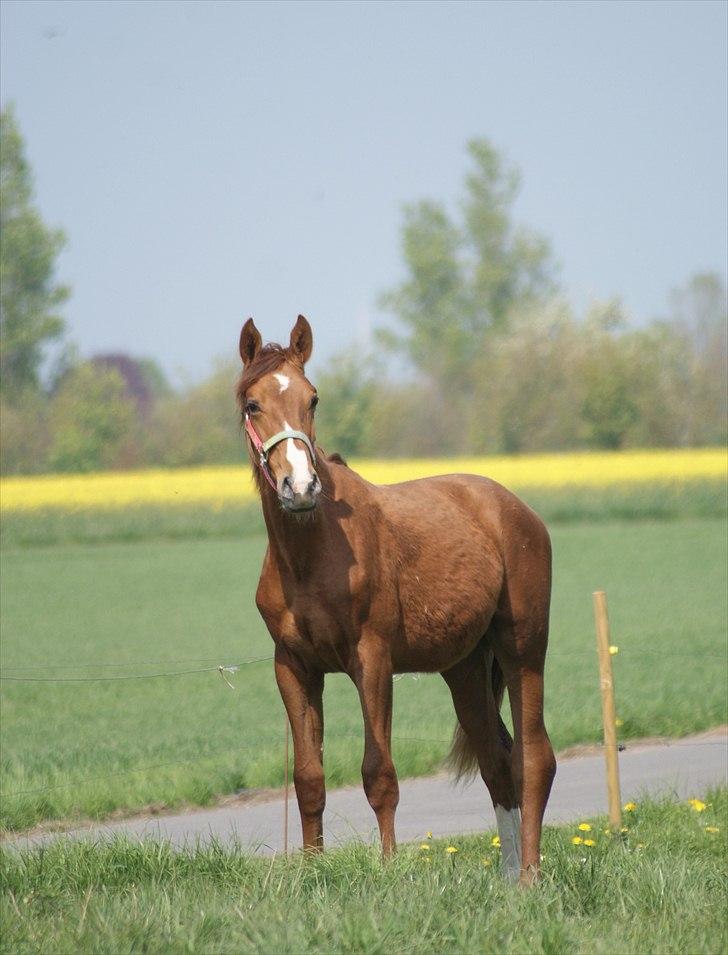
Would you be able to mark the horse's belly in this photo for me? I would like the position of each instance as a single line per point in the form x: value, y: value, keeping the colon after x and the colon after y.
x: 443, y: 618
x: 433, y: 640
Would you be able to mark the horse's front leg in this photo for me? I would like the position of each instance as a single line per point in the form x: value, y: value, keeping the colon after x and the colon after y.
x: 372, y: 674
x: 302, y: 692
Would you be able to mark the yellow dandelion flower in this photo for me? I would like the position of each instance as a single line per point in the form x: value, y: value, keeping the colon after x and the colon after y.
x: 495, y: 841
x: 451, y: 849
x: 624, y: 829
x: 630, y: 806
x: 618, y: 722
x: 613, y: 651
x: 487, y: 862
x: 712, y: 829
x: 576, y: 840
x: 429, y: 835
x: 697, y: 805
x: 425, y: 846
x: 607, y: 832
x: 584, y: 827
x: 589, y: 842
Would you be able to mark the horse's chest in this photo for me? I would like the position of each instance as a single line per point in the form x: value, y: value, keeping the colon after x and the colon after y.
x: 311, y: 625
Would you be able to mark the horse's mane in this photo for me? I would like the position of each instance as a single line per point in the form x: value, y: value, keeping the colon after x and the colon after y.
x: 270, y: 357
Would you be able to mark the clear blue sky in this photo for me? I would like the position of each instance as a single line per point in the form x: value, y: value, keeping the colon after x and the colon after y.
x: 211, y: 161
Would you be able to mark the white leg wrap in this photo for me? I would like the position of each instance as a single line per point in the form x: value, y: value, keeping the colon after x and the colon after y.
x: 509, y: 830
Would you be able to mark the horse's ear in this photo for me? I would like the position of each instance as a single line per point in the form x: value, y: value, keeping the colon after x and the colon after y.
x: 301, y: 340
x: 250, y: 342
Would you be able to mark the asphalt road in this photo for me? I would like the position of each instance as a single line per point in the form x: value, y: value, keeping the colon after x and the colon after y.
x: 685, y: 768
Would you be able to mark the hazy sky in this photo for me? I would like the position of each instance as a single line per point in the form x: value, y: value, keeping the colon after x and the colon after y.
x: 210, y: 161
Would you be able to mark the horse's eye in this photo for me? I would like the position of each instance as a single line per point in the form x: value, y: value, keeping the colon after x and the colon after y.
x: 251, y: 407
x: 314, y: 402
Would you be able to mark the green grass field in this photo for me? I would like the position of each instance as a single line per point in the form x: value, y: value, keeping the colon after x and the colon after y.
x: 661, y: 887
x: 78, y: 749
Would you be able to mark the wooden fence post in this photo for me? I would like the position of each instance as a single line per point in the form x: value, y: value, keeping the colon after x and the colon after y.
x: 609, y: 716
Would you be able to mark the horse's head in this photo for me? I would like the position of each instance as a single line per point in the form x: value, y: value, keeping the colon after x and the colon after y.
x: 277, y: 402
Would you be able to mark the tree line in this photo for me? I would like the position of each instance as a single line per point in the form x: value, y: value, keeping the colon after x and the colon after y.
x: 490, y: 356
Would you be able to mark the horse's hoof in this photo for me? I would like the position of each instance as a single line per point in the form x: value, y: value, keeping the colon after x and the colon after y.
x: 530, y: 876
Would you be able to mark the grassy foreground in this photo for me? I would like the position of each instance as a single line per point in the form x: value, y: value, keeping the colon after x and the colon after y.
x: 660, y: 887
x: 95, y: 614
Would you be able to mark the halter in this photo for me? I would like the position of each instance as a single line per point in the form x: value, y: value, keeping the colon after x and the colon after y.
x: 263, y: 447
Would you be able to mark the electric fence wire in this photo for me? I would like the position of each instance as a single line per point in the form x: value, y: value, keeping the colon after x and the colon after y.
x: 233, y: 666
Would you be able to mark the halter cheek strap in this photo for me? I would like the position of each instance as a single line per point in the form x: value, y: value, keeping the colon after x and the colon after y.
x: 263, y: 447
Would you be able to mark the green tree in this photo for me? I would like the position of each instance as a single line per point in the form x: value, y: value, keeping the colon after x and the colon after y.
x: 26, y: 437
x: 465, y: 280
x: 609, y: 378
x: 700, y: 319
x: 29, y: 294
x: 526, y: 393
x: 201, y: 425
x: 92, y: 420
x: 344, y: 415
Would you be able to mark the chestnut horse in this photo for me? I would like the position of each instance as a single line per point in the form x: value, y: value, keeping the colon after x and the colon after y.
x: 445, y: 574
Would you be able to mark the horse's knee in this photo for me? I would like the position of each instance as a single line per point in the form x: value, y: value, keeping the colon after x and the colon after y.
x: 310, y: 790
x: 380, y: 783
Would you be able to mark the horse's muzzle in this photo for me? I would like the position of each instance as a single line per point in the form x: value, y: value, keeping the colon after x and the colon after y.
x: 295, y: 499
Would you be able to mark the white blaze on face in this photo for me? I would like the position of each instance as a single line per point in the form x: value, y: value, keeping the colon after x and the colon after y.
x: 509, y: 830
x: 283, y: 380
x: 301, y: 475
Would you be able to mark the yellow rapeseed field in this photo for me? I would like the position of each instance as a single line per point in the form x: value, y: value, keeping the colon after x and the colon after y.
x: 220, y: 486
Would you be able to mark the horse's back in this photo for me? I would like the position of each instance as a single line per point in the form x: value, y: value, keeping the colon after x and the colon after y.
x: 456, y: 501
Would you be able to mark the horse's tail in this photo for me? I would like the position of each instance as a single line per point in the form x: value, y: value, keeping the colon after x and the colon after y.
x: 462, y: 759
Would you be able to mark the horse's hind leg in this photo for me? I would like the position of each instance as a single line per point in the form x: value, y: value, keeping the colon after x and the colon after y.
x: 482, y: 738
x: 518, y: 635
x: 532, y: 759
x: 533, y: 762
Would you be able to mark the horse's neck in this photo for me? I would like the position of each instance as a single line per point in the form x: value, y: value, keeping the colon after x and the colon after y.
x: 295, y: 539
